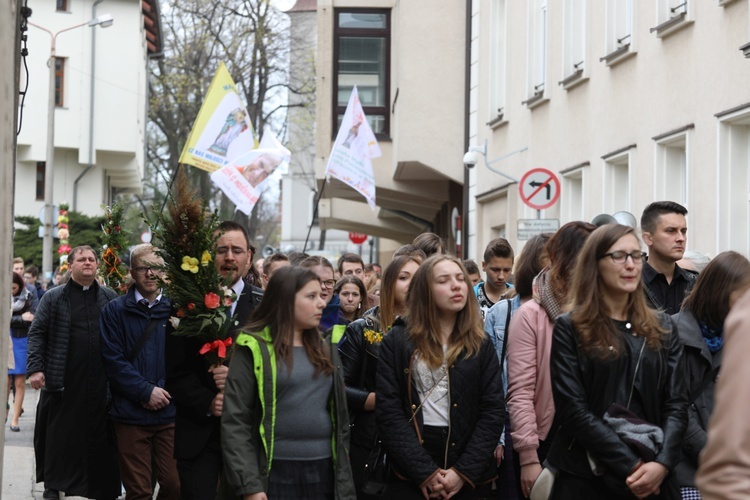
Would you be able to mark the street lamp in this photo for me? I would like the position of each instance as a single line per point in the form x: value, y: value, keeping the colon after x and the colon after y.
x: 105, y: 21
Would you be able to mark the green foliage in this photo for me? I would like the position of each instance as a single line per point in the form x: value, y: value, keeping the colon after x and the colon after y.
x: 84, y: 230
x: 114, y: 238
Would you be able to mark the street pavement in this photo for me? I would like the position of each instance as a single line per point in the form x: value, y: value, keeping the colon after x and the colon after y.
x: 19, y: 463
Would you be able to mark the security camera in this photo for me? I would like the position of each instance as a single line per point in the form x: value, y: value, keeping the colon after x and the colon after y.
x: 470, y: 159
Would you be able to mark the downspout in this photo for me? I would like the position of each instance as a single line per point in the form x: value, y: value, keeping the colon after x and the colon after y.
x: 467, y: 112
x: 91, y: 111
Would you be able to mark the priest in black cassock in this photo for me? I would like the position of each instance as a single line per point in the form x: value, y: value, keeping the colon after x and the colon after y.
x: 73, y: 440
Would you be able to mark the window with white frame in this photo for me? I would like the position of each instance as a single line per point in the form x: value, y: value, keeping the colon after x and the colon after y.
x: 537, y: 47
x: 572, y: 195
x: 574, y: 41
x: 619, y: 25
x: 617, y: 182
x: 733, y: 201
x: 498, y: 48
x: 671, y: 167
x: 672, y: 15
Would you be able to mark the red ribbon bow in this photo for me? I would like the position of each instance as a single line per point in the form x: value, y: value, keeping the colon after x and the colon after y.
x: 220, y: 346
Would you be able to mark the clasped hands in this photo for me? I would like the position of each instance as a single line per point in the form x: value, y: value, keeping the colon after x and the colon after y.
x: 444, y: 484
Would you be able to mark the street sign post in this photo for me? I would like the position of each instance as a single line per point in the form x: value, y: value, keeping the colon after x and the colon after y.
x: 539, y: 188
x: 527, y: 228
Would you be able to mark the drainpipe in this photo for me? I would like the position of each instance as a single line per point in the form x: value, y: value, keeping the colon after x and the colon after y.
x: 467, y: 105
x: 91, y: 111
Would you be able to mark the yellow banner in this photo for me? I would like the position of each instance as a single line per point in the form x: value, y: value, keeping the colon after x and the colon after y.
x: 222, y: 131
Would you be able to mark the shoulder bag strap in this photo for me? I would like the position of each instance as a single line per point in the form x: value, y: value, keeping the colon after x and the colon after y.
x: 505, y: 337
x: 142, y: 341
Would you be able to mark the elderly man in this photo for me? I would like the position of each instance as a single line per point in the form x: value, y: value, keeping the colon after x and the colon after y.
x: 133, y: 332
x: 196, y: 386
x: 73, y: 438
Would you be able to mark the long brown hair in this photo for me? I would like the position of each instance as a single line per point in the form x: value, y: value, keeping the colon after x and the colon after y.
x: 424, y: 323
x: 562, y: 250
x: 276, y: 311
x: 590, y: 315
x: 387, y: 309
x: 709, y: 299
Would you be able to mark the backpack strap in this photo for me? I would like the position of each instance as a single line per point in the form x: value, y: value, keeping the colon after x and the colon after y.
x: 142, y: 341
x: 505, y: 336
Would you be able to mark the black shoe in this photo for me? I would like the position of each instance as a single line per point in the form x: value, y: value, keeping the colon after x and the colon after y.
x: 15, y: 428
x: 51, y: 494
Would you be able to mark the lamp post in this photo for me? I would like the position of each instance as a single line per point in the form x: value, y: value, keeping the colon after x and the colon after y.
x: 105, y: 21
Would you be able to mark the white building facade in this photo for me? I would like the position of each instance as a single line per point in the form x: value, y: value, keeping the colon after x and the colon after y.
x: 99, y: 140
x: 626, y: 101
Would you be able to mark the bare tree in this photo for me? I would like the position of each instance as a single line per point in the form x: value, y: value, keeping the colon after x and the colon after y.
x: 252, y: 39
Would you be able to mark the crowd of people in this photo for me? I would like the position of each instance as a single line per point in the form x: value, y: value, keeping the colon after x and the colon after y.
x: 583, y: 368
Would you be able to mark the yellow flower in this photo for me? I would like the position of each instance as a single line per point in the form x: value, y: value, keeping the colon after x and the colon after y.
x: 190, y: 264
x: 373, y: 337
x: 205, y: 258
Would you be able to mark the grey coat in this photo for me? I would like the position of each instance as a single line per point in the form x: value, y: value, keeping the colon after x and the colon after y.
x: 50, y: 332
x: 699, y: 365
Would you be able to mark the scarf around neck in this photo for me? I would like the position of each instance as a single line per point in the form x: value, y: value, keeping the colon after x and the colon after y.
x: 20, y: 300
x: 545, y: 295
x: 712, y: 336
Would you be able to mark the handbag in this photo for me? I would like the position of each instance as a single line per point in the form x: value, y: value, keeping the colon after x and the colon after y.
x: 542, y: 487
x: 377, y: 471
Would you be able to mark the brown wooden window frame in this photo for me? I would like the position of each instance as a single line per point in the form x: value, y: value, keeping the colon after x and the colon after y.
x: 60, y: 82
x: 370, y: 33
x: 41, y: 178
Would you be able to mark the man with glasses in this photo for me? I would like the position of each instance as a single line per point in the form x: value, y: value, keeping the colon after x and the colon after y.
x: 196, y: 387
x: 132, y: 343
x: 664, y: 232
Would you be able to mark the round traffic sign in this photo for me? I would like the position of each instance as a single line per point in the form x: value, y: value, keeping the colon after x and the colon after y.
x: 539, y: 188
x: 357, y: 238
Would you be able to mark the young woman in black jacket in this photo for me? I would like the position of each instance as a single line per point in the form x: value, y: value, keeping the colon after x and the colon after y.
x: 440, y: 408
x: 611, y: 348
x: 700, y: 324
x: 359, y: 350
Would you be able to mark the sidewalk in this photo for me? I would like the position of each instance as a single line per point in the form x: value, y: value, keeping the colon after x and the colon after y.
x: 19, y: 467
x: 19, y: 464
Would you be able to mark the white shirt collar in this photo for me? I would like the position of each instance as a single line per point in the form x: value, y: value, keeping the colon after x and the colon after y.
x: 139, y: 297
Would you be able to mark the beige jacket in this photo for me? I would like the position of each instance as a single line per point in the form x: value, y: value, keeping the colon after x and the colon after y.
x: 724, y: 471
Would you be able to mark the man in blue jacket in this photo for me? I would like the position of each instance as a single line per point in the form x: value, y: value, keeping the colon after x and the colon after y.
x: 133, y: 329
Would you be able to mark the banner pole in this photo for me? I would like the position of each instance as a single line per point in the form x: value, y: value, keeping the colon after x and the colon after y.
x: 315, y: 214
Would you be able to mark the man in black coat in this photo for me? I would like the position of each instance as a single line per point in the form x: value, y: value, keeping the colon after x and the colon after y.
x: 74, y: 442
x: 196, y: 386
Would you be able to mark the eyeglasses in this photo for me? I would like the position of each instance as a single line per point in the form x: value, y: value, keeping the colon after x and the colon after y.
x: 620, y: 257
x: 141, y: 270
x: 328, y: 283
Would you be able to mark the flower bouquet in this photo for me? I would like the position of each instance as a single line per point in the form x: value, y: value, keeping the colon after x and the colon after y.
x: 186, y: 237
x: 114, y: 241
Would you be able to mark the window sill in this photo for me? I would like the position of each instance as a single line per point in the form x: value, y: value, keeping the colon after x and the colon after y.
x: 672, y: 25
x: 497, y: 122
x: 617, y: 56
x: 536, y: 100
x: 573, y: 80
x: 746, y: 50
x: 723, y: 3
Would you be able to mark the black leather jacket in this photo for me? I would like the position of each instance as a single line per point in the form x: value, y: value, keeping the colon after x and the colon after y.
x: 477, y: 411
x: 584, y: 387
x: 360, y: 359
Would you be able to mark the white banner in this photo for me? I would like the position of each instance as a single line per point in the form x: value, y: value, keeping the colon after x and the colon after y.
x: 354, y: 147
x: 245, y: 177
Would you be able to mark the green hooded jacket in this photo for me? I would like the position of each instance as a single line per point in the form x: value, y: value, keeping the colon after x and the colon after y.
x: 250, y: 396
